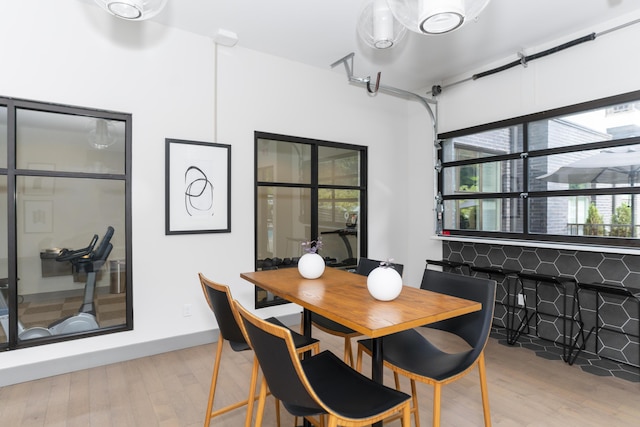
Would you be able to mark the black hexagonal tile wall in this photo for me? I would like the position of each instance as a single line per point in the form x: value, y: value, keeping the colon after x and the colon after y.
x: 567, y: 265
x: 589, y: 259
x: 585, y: 267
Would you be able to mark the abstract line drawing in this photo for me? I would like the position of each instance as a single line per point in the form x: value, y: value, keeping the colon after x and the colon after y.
x: 198, y: 194
x: 197, y: 187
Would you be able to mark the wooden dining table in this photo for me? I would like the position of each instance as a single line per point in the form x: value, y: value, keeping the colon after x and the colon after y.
x: 343, y: 297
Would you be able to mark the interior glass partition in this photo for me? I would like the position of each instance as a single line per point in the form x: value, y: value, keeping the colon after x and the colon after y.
x: 308, y: 190
x: 4, y: 275
x: 66, y: 223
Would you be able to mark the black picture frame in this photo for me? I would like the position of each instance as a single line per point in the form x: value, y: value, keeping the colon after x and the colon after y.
x: 197, y: 187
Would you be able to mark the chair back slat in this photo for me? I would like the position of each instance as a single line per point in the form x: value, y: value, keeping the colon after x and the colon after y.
x: 279, y: 362
x: 366, y: 266
x: 473, y: 327
x: 218, y: 297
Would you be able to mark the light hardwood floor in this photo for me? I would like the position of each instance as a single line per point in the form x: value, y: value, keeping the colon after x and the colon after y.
x: 171, y: 390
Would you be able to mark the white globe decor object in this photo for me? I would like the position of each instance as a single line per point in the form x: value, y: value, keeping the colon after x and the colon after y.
x: 311, y: 266
x: 435, y: 16
x: 384, y: 283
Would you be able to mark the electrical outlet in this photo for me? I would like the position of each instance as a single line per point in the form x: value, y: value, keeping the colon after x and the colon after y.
x: 186, y: 310
x: 521, y: 300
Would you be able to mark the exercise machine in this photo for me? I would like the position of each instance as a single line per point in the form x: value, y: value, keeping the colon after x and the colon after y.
x: 87, y: 260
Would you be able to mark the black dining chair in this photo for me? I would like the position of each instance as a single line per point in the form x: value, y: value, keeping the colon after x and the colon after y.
x: 410, y: 354
x: 320, y: 385
x: 365, y: 266
x: 220, y: 301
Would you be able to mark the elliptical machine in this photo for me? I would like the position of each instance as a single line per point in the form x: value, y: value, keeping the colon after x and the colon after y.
x: 85, y: 260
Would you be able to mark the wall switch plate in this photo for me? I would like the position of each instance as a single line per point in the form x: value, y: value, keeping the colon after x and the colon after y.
x: 186, y: 310
x: 521, y: 300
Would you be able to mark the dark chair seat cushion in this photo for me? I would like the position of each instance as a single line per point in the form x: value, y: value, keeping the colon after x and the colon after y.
x: 346, y: 391
x: 298, y: 339
x: 239, y: 345
x: 330, y: 324
x: 411, y: 351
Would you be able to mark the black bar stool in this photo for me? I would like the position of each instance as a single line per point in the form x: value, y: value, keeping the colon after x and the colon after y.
x: 451, y: 266
x: 563, y: 285
x: 601, y: 290
x: 504, y: 279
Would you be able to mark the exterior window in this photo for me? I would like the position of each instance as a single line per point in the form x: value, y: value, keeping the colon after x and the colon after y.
x: 307, y: 190
x: 64, y: 173
x: 569, y: 175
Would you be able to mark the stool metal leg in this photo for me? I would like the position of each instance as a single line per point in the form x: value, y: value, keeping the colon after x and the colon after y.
x: 575, y: 347
x: 514, y: 333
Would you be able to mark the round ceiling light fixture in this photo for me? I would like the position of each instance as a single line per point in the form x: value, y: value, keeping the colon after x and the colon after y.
x: 132, y: 10
x: 435, y: 16
x: 377, y: 27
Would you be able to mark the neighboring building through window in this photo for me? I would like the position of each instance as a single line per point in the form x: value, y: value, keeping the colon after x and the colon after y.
x: 567, y: 175
x: 306, y: 190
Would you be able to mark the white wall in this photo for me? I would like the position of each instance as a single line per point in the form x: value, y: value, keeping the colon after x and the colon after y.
x: 595, y: 69
x: 258, y: 92
x: 71, y: 52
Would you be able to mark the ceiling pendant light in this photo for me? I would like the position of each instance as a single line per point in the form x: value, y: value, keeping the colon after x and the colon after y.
x: 132, y: 10
x: 377, y: 27
x: 101, y: 134
x: 435, y: 16
x: 441, y: 16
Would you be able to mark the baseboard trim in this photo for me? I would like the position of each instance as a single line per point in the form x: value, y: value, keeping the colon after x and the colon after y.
x: 78, y: 362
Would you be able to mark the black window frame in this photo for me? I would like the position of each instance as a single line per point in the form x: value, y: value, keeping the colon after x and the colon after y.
x: 314, y: 186
x: 11, y: 172
x: 525, y: 156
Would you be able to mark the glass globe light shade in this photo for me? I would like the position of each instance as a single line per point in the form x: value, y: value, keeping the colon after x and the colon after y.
x: 377, y: 27
x: 435, y: 16
x: 101, y: 134
x: 132, y: 10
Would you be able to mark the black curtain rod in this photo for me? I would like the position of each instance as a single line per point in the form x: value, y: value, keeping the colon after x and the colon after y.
x: 525, y: 59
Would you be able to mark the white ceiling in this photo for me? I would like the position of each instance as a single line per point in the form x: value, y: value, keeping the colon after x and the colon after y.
x: 320, y: 32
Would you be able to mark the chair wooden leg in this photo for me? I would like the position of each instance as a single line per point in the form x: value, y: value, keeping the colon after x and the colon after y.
x: 214, y: 380
x: 348, y: 354
x: 406, y: 416
x: 484, y: 390
x: 261, y: 402
x: 212, y: 390
x: 252, y: 392
x: 414, y: 400
x: 359, y: 359
x: 277, y: 412
x: 396, y: 379
x: 437, y: 394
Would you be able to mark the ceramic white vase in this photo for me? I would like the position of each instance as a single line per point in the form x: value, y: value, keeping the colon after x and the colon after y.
x: 384, y: 283
x: 311, y: 266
